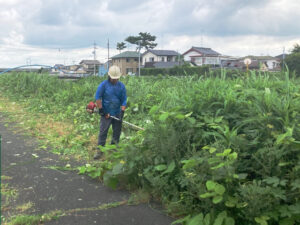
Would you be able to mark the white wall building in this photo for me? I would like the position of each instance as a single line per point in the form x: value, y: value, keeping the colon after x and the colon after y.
x: 159, y: 56
x: 202, y: 56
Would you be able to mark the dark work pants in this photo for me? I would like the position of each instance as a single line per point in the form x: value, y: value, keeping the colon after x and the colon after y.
x: 104, y: 127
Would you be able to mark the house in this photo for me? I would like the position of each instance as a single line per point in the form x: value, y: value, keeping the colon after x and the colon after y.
x: 151, y: 56
x: 90, y: 66
x: 128, y: 62
x: 271, y: 63
x: 202, y: 56
x: 240, y: 65
x: 57, y: 67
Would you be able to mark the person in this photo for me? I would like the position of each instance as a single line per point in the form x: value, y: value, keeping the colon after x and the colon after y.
x: 111, y: 100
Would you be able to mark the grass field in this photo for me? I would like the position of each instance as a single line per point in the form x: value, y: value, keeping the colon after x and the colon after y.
x: 216, y: 150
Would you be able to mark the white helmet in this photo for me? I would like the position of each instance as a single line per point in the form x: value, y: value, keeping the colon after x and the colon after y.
x: 114, y: 72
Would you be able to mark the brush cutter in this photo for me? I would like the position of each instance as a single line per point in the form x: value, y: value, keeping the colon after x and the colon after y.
x: 91, y: 108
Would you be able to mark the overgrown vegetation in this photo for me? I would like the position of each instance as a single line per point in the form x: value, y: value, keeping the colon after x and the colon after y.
x: 219, y: 150
x: 293, y: 60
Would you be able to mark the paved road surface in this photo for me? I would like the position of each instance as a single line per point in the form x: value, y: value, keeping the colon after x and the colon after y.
x: 26, y: 169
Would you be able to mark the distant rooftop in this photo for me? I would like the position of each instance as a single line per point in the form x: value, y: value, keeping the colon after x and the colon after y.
x: 203, y: 51
x: 162, y: 52
x: 126, y: 54
x: 259, y: 57
x: 90, y: 62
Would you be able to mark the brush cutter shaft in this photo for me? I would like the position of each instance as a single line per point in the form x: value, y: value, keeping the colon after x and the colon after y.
x: 130, y: 124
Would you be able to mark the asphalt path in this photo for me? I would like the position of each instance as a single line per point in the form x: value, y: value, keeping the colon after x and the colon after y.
x: 28, y: 170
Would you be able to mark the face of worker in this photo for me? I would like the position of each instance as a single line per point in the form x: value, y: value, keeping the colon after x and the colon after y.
x: 114, y: 81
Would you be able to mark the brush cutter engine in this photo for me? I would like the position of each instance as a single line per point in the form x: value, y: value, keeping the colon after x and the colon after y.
x: 91, y: 108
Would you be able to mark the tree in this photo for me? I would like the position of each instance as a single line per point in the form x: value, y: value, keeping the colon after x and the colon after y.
x: 121, y: 46
x: 296, y: 49
x: 293, y: 60
x: 145, y: 40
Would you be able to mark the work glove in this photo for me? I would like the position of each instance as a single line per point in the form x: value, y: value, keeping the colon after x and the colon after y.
x: 101, y: 112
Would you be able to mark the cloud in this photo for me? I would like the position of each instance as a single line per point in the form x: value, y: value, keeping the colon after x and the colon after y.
x: 234, y: 26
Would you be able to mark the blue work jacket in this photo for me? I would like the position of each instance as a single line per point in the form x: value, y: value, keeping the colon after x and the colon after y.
x: 113, y: 96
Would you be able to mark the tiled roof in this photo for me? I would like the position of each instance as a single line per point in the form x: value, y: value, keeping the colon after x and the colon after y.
x: 162, y: 52
x: 127, y: 54
x: 90, y: 62
x: 206, y: 51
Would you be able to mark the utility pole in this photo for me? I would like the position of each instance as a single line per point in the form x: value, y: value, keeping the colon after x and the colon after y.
x: 94, y: 52
x: 107, y: 54
x: 139, y: 57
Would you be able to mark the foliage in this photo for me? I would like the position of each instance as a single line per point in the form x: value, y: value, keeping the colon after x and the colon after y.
x: 216, y: 150
x: 121, y: 46
x: 293, y: 62
x: 296, y: 49
x: 144, y: 40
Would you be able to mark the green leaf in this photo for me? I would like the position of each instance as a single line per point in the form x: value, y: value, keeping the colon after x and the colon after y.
x: 220, y: 218
x: 233, y: 155
x: 182, y: 220
x: 220, y: 189
x: 190, y: 163
x: 180, y: 116
x: 170, y: 168
x: 188, y: 115
x: 81, y: 169
x: 160, y: 167
x: 164, y: 116
x: 262, y: 220
x: 210, y: 185
x: 218, y: 166
x: 207, y: 195
x: 217, y: 199
x: 280, y: 138
x: 153, y: 110
x: 218, y: 119
x: 212, y: 150
x: 229, y: 221
x: 196, y: 220
x: 207, y: 219
x: 226, y: 151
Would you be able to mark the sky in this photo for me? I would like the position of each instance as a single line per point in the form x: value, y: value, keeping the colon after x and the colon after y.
x: 52, y: 32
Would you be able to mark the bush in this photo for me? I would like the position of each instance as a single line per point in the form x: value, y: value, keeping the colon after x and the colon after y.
x: 175, y: 71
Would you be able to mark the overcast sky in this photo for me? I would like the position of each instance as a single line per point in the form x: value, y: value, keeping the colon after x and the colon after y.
x: 56, y: 31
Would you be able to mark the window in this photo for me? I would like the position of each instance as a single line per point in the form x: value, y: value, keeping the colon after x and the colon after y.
x: 136, y: 60
x: 169, y: 58
x: 129, y: 70
x: 127, y: 60
x: 151, y: 59
x: 162, y: 59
